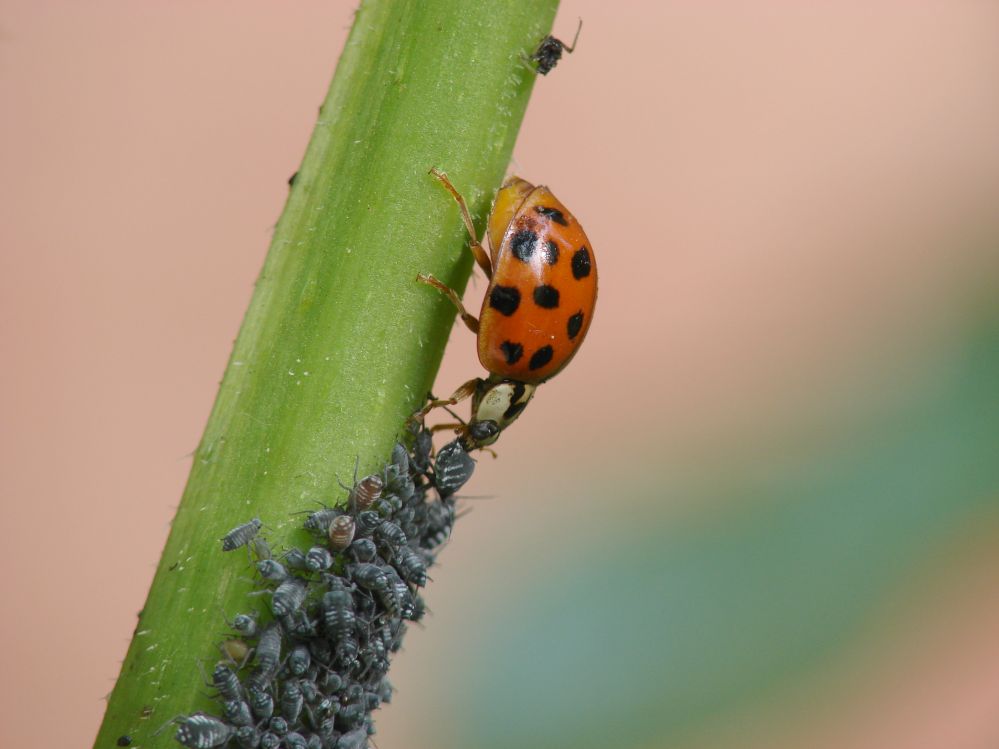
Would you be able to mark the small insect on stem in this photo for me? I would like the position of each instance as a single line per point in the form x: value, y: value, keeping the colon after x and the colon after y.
x: 549, y: 52
x: 241, y: 535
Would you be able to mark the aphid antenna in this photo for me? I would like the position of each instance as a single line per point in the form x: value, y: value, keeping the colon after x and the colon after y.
x: 175, y: 719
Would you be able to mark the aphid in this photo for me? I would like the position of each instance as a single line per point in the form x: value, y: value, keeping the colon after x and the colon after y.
x: 346, y: 651
x: 374, y: 656
x: 260, y: 548
x: 387, y: 506
x: 411, y: 567
x: 269, y: 649
x: 271, y: 569
x: 320, y: 520
x: 318, y: 558
x: 341, y: 532
x: 295, y: 558
x: 356, y: 739
x: 423, y: 445
x: 298, y: 624
x: 295, y: 741
x: 452, y: 469
x: 247, y: 737
x: 237, y: 713
x: 363, y: 550
x: 261, y: 702
x: 123, y: 740
x: 321, y: 651
x: 365, y: 492
x: 278, y: 725
x: 200, y: 731
x: 440, y: 520
x: 269, y: 740
x: 310, y: 691
x: 419, y: 609
x: 288, y: 596
x: 241, y: 535
x: 396, y: 598
x: 314, y: 742
x: 368, y: 576
x: 245, y: 624
x: 403, y: 487
x: 372, y: 701
x: 353, y: 693
x: 400, y: 459
x: 549, y: 52
x: 385, y: 690
x: 299, y: 660
x: 236, y: 651
x: 332, y: 682
x: 226, y: 682
x: 367, y: 521
x: 327, y: 731
x: 391, y: 533
x: 537, y: 308
x: 338, y: 613
x: 292, y: 700
x: 352, y: 714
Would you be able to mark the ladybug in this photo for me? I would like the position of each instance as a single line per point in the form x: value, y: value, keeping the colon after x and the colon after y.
x: 537, y: 308
x: 549, y: 52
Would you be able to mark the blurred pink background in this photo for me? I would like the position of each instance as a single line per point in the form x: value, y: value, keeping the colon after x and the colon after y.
x: 795, y: 211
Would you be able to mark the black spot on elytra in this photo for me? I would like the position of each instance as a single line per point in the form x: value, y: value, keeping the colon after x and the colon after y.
x: 512, y: 351
x: 581, y: 263
x: 541, y: 357
x: 504, y: 299
x: 553, y: 213
x: 575, y: 325
x: 523, y: 243
x: 550, y: 252
x: 546, y: 296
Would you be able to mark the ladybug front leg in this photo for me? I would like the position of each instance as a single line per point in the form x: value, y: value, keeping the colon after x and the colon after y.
x: 465, y: 391
x: 470, y: 320
x: 481, y: 257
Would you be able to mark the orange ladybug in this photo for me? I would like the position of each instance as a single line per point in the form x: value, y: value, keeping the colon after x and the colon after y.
x: 536, y: 311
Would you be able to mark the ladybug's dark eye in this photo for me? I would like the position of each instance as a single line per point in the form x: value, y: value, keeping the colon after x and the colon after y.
x: 482, y: 430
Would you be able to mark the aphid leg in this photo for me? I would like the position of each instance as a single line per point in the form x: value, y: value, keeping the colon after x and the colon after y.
x: 463, y: 392
x: 574, y: 39
x: 481, y: 257
x: 470, y: 320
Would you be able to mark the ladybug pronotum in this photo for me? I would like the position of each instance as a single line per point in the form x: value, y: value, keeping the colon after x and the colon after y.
x: 537, y: 308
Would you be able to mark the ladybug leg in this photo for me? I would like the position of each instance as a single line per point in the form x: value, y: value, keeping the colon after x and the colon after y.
x: 470, y: 320
x: 481, y: 257
x: 465, y: 391
x: 442, y: 427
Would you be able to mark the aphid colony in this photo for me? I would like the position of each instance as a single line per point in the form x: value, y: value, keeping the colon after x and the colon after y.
x: 308, y: 672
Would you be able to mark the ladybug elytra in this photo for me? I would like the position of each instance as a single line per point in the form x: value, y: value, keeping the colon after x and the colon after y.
x: 537, y: 308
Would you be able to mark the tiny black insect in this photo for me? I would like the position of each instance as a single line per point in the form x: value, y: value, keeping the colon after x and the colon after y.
x: 453, y: 468
x: 241, y: 535
x: 549, y: 52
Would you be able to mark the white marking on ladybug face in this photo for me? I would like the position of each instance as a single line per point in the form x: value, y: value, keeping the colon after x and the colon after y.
x: 495, y: 404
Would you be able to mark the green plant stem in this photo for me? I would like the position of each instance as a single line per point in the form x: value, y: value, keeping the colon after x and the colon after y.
x: 339, y: 344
